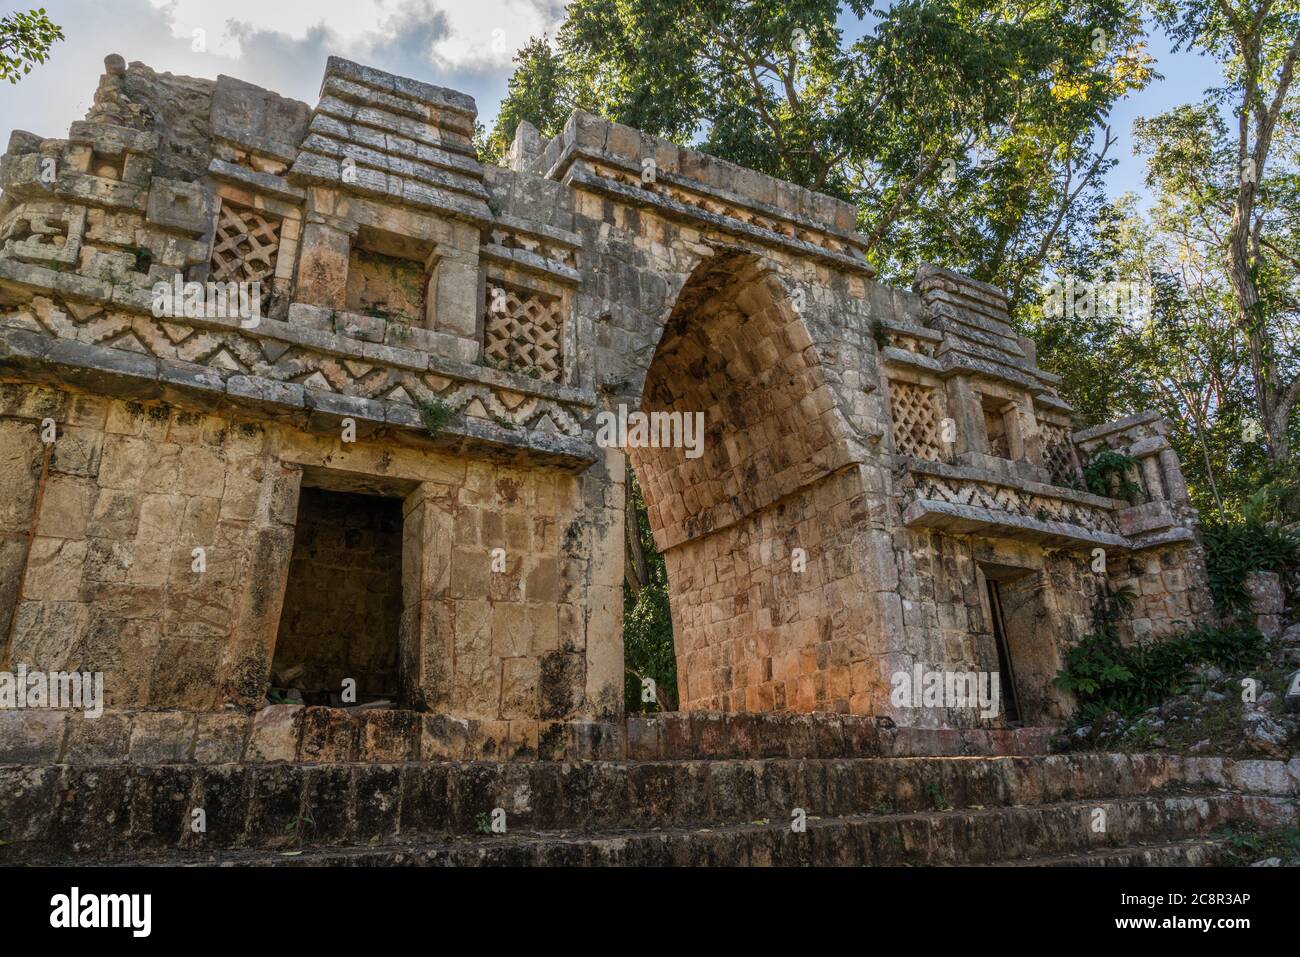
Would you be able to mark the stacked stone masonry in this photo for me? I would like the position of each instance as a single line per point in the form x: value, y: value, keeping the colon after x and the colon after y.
x: 445, y: 335
x: 1159, y: 808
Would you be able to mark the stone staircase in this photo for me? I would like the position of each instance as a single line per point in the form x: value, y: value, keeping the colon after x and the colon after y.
x: 1165, y: 831
x: 1077, y: 809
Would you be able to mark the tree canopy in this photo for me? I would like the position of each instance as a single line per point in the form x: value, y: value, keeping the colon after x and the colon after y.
x: 964, y: 130
x: 25, y: 40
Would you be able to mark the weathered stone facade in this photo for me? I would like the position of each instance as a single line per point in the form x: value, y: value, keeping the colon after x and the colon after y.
x: 873, y: 457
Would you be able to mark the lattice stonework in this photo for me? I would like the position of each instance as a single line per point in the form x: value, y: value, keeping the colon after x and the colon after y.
x: 244, y: 248
x: 1023, y: 504
x: 1056, y: 454
x: 916, y: 420
x: 523, y: 332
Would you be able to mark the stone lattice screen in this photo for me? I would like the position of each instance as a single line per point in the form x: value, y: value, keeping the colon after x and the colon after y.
x: 1013, y: 501
x: 1057, y: 458
x: 917, y: 417
x: 244, y: 247
x: 523, y: 331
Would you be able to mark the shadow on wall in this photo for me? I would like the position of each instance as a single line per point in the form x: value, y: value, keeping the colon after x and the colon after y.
x: 343, y: 602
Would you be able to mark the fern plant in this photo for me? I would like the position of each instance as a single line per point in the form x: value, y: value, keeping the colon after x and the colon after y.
x: 1233, y: 551
x: 1107, y: 473
x: 1104, y: 675
x: 1095, y: 669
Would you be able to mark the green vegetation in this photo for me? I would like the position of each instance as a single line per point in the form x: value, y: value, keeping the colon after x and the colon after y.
x: 1104, y: 675
x: 434, y: 414
x: 1217, y: 352
x: 1248, y: 841
x: 1108, y: 473
x: 937, y: 800
x: 1233, y: 551
x: 967, y: 132
x: 143, y: 258
x: 647, y: 624
x: 301, y: 828
x: 25, y: 40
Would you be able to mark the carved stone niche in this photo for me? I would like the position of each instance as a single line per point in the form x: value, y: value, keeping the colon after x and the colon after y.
x: 388, y: 276
x: 45, y: 233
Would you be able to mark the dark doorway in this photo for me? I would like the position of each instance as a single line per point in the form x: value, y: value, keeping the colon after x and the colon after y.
x: 343, y: 603
x: 1007, y: 675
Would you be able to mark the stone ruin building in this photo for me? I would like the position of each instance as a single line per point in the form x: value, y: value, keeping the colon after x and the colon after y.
x: 390, y: 474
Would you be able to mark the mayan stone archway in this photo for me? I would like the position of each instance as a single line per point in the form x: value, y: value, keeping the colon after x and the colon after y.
x: 883, y: 468
x: 736, y: 524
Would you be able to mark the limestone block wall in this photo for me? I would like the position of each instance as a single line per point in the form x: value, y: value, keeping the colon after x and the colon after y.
x: 1168, y: 577
x: 101, y: 527
x: 760, y: 336
x: 106, y: 520
x: 945, y: 620
x: 498, y: 636
x: 986, y: 486
x: 761, y: 627
x: 872, y: 457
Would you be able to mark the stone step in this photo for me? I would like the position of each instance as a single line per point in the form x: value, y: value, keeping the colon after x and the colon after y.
x: 1050, y: 832
x: 1195, y: 853
x: 318, y: 735
x: 64, y: 809
x: 142, y: 811
x: 712, y: 734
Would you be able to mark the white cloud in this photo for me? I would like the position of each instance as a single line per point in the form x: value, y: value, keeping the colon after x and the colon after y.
x: 488, y: 32
x: 346, y: 19
x: 475, y: 34
x: 279, y: 44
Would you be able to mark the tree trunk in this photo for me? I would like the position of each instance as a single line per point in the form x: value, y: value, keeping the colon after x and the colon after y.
x: 634, y: 567
x: 1274, y: 397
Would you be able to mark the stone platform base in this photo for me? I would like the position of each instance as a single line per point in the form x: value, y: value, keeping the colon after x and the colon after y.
x: 310, y: 735
x: 921, y: 810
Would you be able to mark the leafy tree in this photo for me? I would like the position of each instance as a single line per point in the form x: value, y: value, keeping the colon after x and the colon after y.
x: 1185, y: 357
x: 1226, y: 376
x: 1240, y: 181
x: 25, y: 40
x: 537, y: 92
x: 1026, y: 90
x: 965, y: 130
x: 648, y: 650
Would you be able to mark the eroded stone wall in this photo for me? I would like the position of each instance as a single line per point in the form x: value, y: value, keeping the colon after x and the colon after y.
x: 945, y: 613
x: 759, y: 626
x: 117, y: 505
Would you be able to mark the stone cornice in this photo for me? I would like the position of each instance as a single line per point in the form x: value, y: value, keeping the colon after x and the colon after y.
x: 31, y: 356
x: 581, y: 177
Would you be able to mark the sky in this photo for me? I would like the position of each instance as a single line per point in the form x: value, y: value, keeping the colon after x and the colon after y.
x: 463, y: 44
